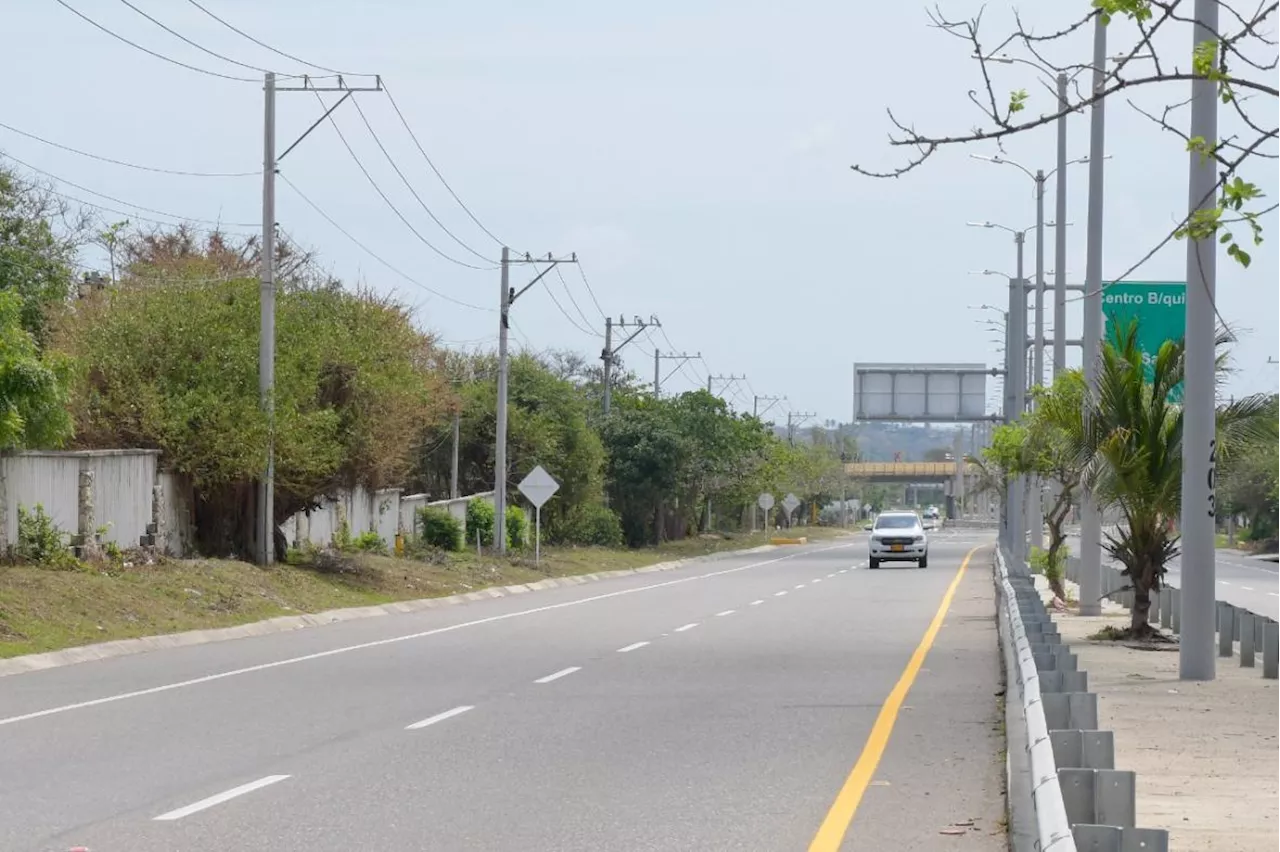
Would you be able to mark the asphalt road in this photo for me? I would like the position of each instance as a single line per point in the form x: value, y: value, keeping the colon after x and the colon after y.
x: 1242, y: 580
x: 787, y: 700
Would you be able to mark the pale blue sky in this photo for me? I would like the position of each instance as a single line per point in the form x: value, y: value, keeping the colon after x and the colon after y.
x: 694, y: 155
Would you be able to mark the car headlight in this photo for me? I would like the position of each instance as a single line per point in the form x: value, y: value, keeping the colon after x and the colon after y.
x: 919, y: 538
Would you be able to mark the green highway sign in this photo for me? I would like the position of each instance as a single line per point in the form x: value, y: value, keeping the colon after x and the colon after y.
x: 1160, y: 307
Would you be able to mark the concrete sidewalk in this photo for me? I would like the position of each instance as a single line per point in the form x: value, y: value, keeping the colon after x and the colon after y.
x: 1205, y: 753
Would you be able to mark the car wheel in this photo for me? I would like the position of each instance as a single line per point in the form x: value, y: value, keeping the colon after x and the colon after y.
x: 873, y: 564
x: 924, y: 561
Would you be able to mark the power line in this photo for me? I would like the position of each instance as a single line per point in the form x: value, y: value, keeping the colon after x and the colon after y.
x: 388, y: 202
x: 197, y: 46
x: 409, y: 186
x: 569, y: 293
x: 101, y: 158
x: 372, y: 253
x: 263, y: 44
x: 422, y: 151
x: 590, y: 291
x: 150, y: 52
x: 9, y: 156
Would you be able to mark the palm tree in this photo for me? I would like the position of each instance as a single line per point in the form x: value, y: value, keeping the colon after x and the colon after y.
x: 1130, y: 449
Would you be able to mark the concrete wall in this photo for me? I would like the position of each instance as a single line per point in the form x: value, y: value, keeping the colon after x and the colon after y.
x: 386, y: 512
x: 122, y: 491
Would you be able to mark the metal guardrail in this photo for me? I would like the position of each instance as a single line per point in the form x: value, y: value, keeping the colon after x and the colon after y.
x: 1065, y: 794
x: 1253, y: 633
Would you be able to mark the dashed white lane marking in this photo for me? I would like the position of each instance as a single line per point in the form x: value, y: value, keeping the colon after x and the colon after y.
x: 1224, y: 582
x: 689, y: 626
x: 843, y: 571
x: 816, y: 580
x: 392, y: 640
x: 779, y: 594
x: 831, y: 575
x: 1247, y: 588
x: 559, y: 674
x: 726, y: 612
x: 440, y: 717
x: 799, y: 585
x: 1274, y: 594
x: 756, y: 603
x: 633, y: 646
x: 225, y: 796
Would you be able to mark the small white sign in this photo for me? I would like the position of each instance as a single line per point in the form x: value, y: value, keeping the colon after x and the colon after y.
x: 538, y: 486
x: 765, y: 501
x: 790, y: 502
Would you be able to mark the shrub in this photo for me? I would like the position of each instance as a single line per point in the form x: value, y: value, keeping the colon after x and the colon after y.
x: 40, y: 540
x: 480, y: 521
x: 439, y: 528
x: 597, y: 526
x: 1040, y: 564
x: 369, y: 542
x: 517, y: 527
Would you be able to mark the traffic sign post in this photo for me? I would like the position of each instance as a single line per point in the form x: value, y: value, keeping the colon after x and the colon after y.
x: 790, y: 503
x: 1160, y: 309
x: 765, y: 501
x: 538, y: 487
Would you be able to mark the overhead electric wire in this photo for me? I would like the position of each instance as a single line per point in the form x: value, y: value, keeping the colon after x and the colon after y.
x: 423, y: 151
x: 371, y: 252
x: 126, y: 164
x: 274, y: 50
x: 196, y: 45
x: 569, y: 293
x: 388, y: 201
x: 51, y: 175
x: 150, y: 52
x: 409, y: 185
x: 591, y: 291
x: 587, y: 331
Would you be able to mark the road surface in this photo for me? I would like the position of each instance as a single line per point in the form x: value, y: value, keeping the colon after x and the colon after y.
x: 1242, y: 580
x: 785, y: 700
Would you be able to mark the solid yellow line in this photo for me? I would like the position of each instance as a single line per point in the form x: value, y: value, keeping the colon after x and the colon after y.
x: 832, y: 831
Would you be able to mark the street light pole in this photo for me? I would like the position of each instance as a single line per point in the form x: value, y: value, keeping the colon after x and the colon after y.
x: 1018, y: 379
x: 1199, y: 445
x: 1090, y: 519
x: 1060, y: 239
x: 1037, y: 348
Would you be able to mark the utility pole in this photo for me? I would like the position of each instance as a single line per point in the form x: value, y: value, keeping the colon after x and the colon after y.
x: 608, y: 356
x: 264, y: 521
x: 506, y: 298
x: 1015, y: 384
x: 658, y: 358
x: 1199, y: 444
x: 794, y: 419
x: 727, y: 380
x: 1037, y: 369
x: 1060, y: 239
x: 757, y: 399
x: 1090, y: 519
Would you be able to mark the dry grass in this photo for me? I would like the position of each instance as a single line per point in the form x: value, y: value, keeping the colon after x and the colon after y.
x: 44, y: 610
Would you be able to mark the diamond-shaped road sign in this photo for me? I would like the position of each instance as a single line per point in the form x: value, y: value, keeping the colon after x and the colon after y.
x: 790, y: 502
x: 765, y: 501
x: 538, y: 486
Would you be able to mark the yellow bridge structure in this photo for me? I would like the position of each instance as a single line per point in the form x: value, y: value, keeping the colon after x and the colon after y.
x: 907, y: 471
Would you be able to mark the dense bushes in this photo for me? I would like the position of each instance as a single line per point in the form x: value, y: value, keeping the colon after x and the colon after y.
x: 480, y: 521
x: 439, y: 528
x: 596, y: 526
x: 517, y: 527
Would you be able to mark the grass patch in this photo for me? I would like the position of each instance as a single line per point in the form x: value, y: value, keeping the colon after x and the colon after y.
x: 1111, y: 633
x: 42, y: 609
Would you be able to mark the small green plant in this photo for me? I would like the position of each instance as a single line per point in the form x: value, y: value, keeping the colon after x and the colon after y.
x: 369, y: 542
x: 517, y: 527
x: 480, y: 521
x: 439, y: 528
x: 592, y: 526
x: 1051, y: 569
x: 342, y: 537
x: 39, y: 539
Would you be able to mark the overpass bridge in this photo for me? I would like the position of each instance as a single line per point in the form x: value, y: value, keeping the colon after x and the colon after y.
x: 908, y: 471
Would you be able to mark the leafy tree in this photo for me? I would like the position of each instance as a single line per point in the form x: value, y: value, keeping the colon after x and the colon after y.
x: 1249, y: 487
x: 33, y: 388
x: 646, y: 459
x: 169, y: 360
x: 1130, y: 452
x: 36, y: 261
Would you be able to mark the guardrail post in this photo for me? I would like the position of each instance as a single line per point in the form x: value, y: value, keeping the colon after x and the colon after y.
x: 1245, y: 619
x: 1226, y: 628
x: 1271, y: 651
x: 1109, y: 838
x: 1166, y: 607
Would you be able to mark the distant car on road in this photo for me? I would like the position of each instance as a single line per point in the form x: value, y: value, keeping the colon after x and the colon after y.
x: 898, y: 537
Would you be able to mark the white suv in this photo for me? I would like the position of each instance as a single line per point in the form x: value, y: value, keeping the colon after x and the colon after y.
x: 898, y: 537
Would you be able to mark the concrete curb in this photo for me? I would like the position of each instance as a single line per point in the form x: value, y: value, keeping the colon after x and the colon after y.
x: 285, y: 623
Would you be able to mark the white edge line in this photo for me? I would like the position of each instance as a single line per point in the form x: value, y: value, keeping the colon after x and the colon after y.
x: 440, y: 717
x: 392, y: 640
x: 633, y: 646
x: 682, y: 628
x: 225, y: 796
x: 559, y: 674
x: 726, y: 612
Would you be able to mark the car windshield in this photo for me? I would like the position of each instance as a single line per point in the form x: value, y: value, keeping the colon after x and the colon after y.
x: 895, y: 522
